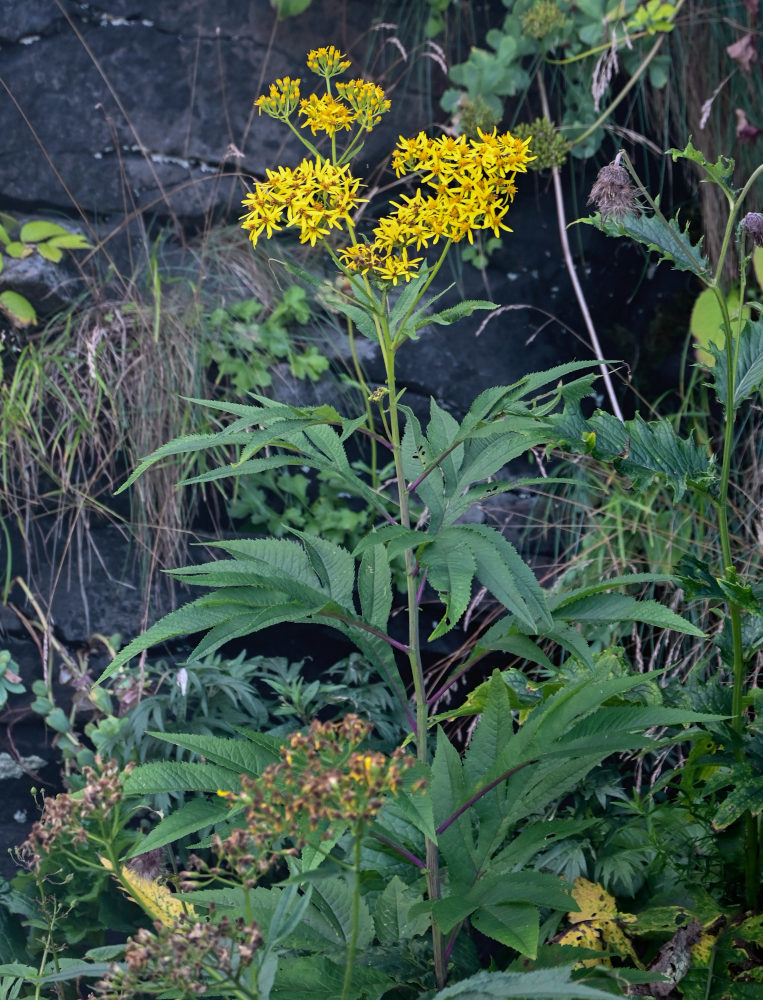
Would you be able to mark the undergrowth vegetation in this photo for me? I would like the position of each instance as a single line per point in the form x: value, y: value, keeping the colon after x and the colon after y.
x: 507, y: 783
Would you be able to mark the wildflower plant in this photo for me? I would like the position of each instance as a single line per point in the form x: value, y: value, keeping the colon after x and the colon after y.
x: 380, y: 850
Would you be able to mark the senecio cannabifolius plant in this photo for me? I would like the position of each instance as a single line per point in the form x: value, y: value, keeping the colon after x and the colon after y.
x: 452, y: 832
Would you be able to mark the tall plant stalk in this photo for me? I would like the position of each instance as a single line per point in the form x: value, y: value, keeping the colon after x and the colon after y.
x: 732, y: 329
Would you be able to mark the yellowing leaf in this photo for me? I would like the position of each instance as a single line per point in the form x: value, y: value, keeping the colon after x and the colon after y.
x: 18, y: 308
x: 152, y: 897
x: 594, y: 903
x: 596, y: 922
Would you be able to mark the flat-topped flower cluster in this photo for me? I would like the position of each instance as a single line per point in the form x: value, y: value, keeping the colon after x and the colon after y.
x: 470, y: 182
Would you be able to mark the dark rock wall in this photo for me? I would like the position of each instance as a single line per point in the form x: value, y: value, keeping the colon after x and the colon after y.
x: 109, y: 106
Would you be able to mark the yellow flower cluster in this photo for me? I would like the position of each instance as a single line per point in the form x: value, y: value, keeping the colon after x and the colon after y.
x: 366, y: 99
x: 472, y: 183
x: 327, y: 61
x: 325, y: 114
x: 314, y: 197
x: 362, y: 103
x: 282, y: 99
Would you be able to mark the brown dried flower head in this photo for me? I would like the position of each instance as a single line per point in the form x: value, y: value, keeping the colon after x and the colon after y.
x: 180, y: 956
x: 752, y: 224
x: 64, y: 817
x: 613, y: 193
x: 321, y: 780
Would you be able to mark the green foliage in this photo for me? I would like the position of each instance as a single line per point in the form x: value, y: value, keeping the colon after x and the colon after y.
x: 10, y: 681
x: 569, y: 43
x: 49, y: 240
x: 244, y: 349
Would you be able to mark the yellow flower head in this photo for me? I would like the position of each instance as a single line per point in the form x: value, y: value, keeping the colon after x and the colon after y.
x: 282, y: 99
x: 325, y: 114
x: 314, y: 197
x: 327, y: 62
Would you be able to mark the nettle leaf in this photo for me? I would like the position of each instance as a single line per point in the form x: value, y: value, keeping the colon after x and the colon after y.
x: 392, y: 914
x: 333, y: 565
x: 250, y: 756
x: 507, y: 576
x: 448, y: 792
x: 375, y: 586
x: 671, y: 242
x: 459, y: 552
x: 517, y: 925
x: 540, y: 984
x: 450, y: 570
x: 157, y: 777
x: 189, y: 818
x: 749, y: 366
x: 603, y: 609
x: 334, y: 898
x: 321, y: 979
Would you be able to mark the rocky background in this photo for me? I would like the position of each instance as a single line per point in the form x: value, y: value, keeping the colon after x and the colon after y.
x: 124, y: 116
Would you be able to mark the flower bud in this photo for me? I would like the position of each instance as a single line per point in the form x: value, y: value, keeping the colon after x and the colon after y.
x: 752, y: 224
x: 613, y: 193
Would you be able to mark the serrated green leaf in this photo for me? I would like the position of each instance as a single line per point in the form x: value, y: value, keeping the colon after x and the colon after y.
x: 189, y: 818
x: 392, y: 914
x: 334, y: 897
x: 316, y: 978
x: 745, y: 796
x: 333, y: 565
x: 507, y: 576
x: 540, y: 984
x: 749, y: 365
x: 162, y: 776
x: 450, y: 567
x: 516, y: 925
x: 448, y: 791
x: 603, y: 609
x: 249, y: 757
x: 375, y: 586
x: 192, y: 617
x: 671, y: 242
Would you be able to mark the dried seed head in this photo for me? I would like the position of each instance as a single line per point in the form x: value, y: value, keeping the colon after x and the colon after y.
x: 613, y: 193
x: 149, y: 865
x: 752, y: 224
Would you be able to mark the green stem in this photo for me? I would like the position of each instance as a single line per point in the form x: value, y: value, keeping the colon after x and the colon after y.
x: 352, y: 944
x: 414, y: 639
x: 366, y: 403
x: 731, y: 349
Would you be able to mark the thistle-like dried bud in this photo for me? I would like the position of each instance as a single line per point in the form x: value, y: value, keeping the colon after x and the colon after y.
x: 149, y: 865
x: 752, y: 224
x: 613, y: 193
